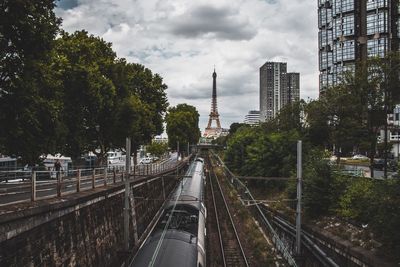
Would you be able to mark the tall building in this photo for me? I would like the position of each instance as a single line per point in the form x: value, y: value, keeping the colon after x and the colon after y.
x: 252, y: 118
x: 354, y: 30
x: 277, y: 88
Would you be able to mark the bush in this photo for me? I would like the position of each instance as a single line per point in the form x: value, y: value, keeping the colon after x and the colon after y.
x: 322, y: 186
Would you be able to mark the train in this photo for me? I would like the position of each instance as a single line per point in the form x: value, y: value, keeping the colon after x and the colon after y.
x: 178, y: 238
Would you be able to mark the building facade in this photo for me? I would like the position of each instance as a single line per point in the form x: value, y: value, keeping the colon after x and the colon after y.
x: 252, y: 117
x: 351, y: 31
x: 293, y: 87
x: 277, y: 88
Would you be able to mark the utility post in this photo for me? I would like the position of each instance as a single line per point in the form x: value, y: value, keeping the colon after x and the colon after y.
x: 298, y: 210
x: 177, y: 159
x: 188, y: 149
x: 127, y: 189
x: 177, y: 151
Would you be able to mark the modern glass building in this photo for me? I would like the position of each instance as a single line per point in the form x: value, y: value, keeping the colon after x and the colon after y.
x: 252, y: 117
x: 277, y: 88
x: 352, y: 30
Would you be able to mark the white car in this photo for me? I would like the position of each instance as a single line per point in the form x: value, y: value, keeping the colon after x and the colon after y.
x: 359, y: 157
x: 146, y: 160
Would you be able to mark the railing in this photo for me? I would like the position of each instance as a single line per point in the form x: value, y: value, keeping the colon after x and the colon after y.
x: 22, y: 186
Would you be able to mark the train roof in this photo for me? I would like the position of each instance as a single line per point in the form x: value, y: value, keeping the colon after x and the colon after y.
x: 177, y: 249
x: 190, y: 191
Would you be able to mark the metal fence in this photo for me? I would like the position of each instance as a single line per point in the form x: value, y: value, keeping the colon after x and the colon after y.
x: 20, y: 186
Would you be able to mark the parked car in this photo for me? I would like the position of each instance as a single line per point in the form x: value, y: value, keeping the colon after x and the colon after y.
x: 146, y: 160
x: 380, y: 163
x: 359, y: 157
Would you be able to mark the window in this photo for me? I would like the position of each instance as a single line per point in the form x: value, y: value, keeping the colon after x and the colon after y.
x: 343, y: 6
x: 377, y: 47
x: 322, y: 21
x: 344, y: 51
x: 325, y: 38
x: 348, y: 25
x: 323, y: 60
x: 374, y: 4
x: 344, y: 26
x: 348, y: 52
x: 377, y: 23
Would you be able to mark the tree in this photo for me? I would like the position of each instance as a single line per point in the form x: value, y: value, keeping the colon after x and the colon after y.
x: 29, y: 100
x: 317, y: 127
x: 182, y: 126
x: 134, y: 80
x: 290, y: 117
x: 235, y: 126
x: 236, y: 152
x: 27, y: 31
x: 157, y: 148
x: 151, y: 90
x: 322, y: 186
x: 89, y: 95
x: 272, y: 154
x: 133, y: 119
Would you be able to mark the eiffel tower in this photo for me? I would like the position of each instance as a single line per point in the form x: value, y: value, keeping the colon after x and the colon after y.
x: 214, y: 116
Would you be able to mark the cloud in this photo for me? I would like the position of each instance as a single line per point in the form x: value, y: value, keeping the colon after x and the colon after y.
x: 67, y: 4
x: 182, y: 40
x: 213, y: 22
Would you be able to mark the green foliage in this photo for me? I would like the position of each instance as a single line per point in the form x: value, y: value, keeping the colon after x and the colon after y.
x: 28, y: 97
x: 318, y: 129
x: 71, y: 94
x: 348, y: 116
x: 290, y: 117
x: 354, y: 204
x: 89, y: 95
x: 322, y: 187
x: 182, y: 126
x: 135, y: 81
x: 235, y: 126
x: 236, y: 152
x: 157, y: 148
x: 272, y: 154
x: 385, y: 213
x: 27, y: 31
x: 376, y: 204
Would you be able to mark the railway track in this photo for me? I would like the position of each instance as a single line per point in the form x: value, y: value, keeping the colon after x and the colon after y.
x: 307, y: 240
x: 232, y: 252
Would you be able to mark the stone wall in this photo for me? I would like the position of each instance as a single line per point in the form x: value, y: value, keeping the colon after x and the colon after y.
x: 89, y: 234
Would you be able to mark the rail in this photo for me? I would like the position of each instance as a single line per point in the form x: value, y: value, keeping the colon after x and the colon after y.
x: 278, y: 243
x: 24, y: 186
x: 307, y: 240
x: 229, y: 246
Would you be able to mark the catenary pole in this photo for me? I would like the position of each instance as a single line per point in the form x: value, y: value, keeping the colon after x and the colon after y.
x: 298, y: 210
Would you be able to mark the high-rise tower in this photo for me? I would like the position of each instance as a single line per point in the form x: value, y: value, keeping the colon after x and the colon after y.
x: 214, y: 116
x: 351, y: 31
x: 272, y: 85
x: 277, y: 89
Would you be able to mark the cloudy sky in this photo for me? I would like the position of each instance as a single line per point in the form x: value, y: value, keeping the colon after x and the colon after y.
x: 182, y: 40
